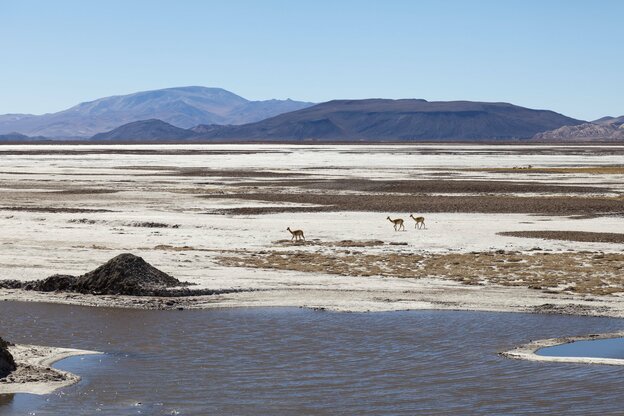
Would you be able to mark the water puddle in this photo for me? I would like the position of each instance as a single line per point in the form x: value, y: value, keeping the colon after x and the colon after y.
x: 284, y: 361
x: 599, y: 348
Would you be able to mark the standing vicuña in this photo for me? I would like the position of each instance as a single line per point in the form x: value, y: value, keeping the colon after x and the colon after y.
x: 296, y: 234
x: 397, y: 223
x: 420, y: 221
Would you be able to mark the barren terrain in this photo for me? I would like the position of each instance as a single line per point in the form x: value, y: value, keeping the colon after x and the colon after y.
x: 509, y: 228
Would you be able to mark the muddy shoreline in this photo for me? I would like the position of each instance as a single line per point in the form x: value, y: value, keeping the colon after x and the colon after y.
x: 34, y: 374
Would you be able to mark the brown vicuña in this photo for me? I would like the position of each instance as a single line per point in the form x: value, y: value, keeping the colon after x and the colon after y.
x: 297, y: 235
x: 420, y: 222
x: 398, y: 223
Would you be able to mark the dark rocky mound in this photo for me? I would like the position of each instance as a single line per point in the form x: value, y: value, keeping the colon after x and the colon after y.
x: 152, y: 129
x: 125, y: 274
x: 7, y: 364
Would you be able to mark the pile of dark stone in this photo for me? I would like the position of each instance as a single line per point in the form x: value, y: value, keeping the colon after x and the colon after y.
x: 7, y: 364
x: 125, y: 274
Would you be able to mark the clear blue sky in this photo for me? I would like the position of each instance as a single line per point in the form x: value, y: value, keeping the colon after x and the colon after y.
x: 564, y: 55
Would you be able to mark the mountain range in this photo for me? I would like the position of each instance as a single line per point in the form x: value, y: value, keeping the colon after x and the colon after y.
x: 214, y: 114
x: 400, y: 120
x: 367, y: 120
x: 183, y: 107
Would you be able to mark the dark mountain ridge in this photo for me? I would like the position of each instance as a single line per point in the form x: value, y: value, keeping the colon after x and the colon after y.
x: 402, y: 120
x: 368, y: 120
x: 17, y: 137
x: 338, y: 120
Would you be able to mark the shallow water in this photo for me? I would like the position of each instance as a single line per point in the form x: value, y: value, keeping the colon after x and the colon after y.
x: 599, y: 348
x: 296, y: 361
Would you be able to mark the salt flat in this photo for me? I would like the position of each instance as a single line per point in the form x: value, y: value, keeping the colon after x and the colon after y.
x: 68, y: 209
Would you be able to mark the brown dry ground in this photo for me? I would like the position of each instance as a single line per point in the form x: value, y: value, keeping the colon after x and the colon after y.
x: 428, y: 186
x: 579, y: 272
x: 547, y: 205
x: 53, y: 209
x: 321, y: 194
x: 591, y: 170
x: 208, y: 172
x: 582, y: 236
x: 143, y: 151
x: 341, y: 243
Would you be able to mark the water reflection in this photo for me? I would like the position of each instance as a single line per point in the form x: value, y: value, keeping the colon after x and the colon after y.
x: 599, y: 348
x: 6, y: 399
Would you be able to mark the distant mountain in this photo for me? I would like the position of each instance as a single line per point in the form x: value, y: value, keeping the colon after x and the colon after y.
x: 583, y: 132
x: 617, y: 121
x: 402, y: 120
x: 17, y: 137
x: 145, y: 130
x: 183, y: 107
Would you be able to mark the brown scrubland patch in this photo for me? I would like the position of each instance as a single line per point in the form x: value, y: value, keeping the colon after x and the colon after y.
x: 85, y: 191
x: 583, y: 236
x: 580, y: 272
x: 341, y: 243
x: 150, y: 224
x: 168, y: 247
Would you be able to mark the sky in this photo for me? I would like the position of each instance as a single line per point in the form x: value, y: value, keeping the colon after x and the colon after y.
x: 562, y: 55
